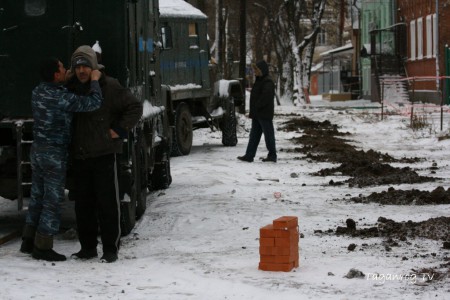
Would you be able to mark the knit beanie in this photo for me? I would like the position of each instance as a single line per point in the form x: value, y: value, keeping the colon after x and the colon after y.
x: 262, y: 65
x: 84, y: 55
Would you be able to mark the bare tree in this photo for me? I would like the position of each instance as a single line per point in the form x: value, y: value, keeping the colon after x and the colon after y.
x: 304, y: 51
x: 283, y: 32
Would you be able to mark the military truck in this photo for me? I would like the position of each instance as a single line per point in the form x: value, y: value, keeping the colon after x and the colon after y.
x: 196, y: 97
x: 128, y: 32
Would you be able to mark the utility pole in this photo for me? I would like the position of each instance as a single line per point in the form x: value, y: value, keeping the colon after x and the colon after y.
x: 243, y: 50
x: 341, y: 21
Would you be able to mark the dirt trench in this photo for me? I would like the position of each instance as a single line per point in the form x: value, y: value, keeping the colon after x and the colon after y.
x: 322, y: 141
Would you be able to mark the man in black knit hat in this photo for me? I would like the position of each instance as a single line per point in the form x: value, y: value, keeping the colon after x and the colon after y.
x: 261, y: 113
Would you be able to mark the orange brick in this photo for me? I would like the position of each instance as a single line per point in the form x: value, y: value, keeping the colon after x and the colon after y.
x: 285, y: 222
x: 277, y: 250
x: 276, y: 267
x: 286, y: 233
x: 267, y: 242
x: 267, y: 259
x: 267, y: 250
x: 284, y: 242
x: 267, y: 231
x: 296, y: 263
x: 284, y: 259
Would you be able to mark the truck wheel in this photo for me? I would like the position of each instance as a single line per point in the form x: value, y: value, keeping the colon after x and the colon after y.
x: 182, y: 135
x: 228, y: 123
x: 161, y: 177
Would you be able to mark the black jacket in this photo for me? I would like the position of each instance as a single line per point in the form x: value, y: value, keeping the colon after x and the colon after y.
x: 120, y: 111
x: 262, y: 98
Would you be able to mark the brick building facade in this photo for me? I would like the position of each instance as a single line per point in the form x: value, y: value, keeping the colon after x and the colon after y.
x: 428, y: 31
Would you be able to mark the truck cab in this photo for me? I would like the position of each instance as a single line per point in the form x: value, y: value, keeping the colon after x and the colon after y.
x: 197, y: 96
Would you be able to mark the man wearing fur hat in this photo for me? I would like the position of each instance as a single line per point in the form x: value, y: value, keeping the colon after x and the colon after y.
x: 97, y: 138
x: 261, y: 113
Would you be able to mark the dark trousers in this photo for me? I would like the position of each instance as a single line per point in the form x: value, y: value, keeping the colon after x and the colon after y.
x: 258, y: 128
x: 48, y: 164
x: 96, y: 203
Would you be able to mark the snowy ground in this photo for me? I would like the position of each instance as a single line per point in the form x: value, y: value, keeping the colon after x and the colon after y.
x: 199, y: 238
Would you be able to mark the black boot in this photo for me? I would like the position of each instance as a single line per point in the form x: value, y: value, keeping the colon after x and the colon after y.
x: 109, y: 257
x: 85, y: 254
x: 28, y: 239
x: 43, y: 248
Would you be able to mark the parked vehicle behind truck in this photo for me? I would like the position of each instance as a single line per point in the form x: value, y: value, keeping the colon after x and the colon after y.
x: 128, y: 31
x: 195, y: 95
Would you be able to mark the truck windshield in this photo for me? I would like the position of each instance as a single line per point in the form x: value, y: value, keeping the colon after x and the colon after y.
x: 35, y: 8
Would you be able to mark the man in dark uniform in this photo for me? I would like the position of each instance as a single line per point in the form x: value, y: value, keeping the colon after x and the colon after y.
x: 261, y: 113
x: 97, y: 138
x: 52, y: 107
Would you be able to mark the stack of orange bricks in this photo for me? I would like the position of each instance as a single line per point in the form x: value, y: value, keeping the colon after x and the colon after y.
x: 278, y: 245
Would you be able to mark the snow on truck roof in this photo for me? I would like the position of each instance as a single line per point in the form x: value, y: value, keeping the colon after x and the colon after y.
x: 179, y: 8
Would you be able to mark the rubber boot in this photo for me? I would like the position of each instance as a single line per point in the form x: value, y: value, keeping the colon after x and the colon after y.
x: 28, y: 235
x: 43, y: 248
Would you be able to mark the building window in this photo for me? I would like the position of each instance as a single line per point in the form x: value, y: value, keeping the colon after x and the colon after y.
x: 193, y: 36
x: 429, y: 34
x: 166, y: 37
x: 412, y: 39
x: 435, y: 35
x: 419, y: 38
x: 322, y: 38
x: 35, y: 8
x: 193, y: 29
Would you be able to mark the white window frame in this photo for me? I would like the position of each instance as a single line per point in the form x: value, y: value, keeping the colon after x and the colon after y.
x: 435, y: 35
x: 321, y: 38
x: 412, y: 39
x: 420, y: 38
x: 429, y: 26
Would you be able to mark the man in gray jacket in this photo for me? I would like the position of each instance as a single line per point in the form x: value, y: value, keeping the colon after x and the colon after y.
x: 52, y: 106
x: 97, y: 138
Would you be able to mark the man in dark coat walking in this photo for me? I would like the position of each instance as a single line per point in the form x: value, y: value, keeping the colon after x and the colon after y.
x: 261, y: 113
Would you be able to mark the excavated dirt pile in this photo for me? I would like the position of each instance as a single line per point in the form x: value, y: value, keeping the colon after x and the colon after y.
x: 409, y: 197
x: 435, y: 228
x: 321, y: 141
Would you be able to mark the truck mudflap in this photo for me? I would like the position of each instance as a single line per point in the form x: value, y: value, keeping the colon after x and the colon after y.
x: 229, y: 89
x: 228, y: 122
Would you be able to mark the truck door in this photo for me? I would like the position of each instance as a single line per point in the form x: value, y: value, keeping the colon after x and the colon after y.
x: 105, y: 21
x: 30, y: 30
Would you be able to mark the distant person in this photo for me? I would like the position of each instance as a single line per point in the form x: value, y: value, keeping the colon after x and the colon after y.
x: 52, y: 106
x: 261, y: 113
x: 97, y: 138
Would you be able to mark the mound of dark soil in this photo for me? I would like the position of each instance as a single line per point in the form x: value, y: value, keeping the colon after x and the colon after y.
x: 367, y: 173
x: 434, y: 228
x: 410, y: 197
x: 320, y: 143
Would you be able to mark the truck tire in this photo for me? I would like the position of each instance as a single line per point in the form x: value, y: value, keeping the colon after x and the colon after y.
x: 161, y: 177
x: 228, y: 123
x: 182, y: 133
